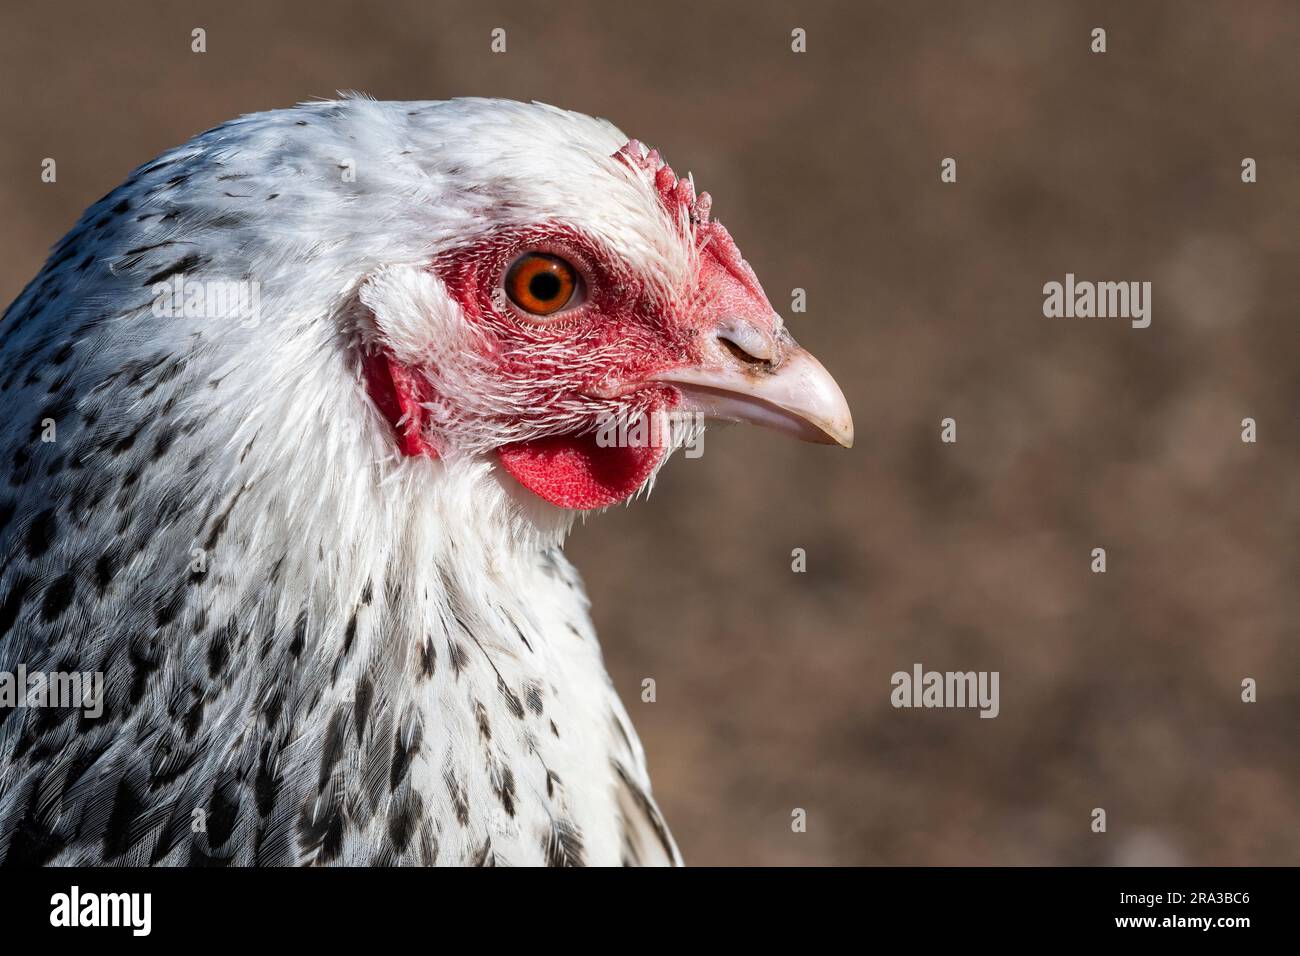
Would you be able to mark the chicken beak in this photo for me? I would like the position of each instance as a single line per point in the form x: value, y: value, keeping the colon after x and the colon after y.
x: 772, y: 383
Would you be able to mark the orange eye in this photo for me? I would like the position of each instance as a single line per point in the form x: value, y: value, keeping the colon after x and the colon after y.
x: 541, y: 284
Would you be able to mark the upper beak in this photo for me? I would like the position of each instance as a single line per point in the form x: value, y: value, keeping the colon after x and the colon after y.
x: 752, y: 377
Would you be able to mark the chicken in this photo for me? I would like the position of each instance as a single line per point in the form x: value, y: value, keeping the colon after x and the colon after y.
x: 295, y: 422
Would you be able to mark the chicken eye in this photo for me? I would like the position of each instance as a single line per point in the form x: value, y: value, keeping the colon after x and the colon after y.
x: 541, y: 284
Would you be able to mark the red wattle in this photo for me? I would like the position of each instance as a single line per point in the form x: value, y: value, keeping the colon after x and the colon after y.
x: 577, y: 473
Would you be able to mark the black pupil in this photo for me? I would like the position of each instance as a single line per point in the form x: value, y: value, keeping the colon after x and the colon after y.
x: 544, y: 286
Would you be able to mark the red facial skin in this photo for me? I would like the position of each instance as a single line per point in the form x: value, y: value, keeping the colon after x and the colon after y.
x: 399, y: 395
x: 562, y: 368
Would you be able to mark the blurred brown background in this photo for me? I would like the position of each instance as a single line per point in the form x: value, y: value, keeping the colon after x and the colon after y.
x: 1119, y: 690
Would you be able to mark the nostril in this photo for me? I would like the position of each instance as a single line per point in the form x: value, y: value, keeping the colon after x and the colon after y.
x: 746, y: 342
x: 740, y: 354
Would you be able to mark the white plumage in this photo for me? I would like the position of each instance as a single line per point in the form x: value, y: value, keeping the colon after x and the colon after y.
x: 319, y: 648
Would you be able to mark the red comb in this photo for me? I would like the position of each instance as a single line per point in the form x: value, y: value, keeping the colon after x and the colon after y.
x: 677, y: 195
